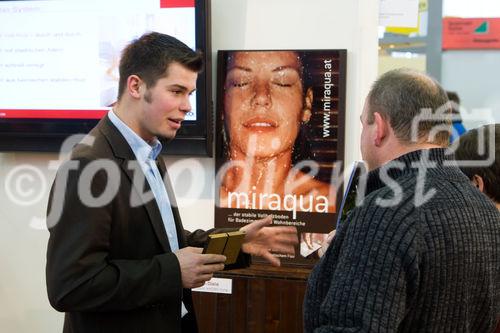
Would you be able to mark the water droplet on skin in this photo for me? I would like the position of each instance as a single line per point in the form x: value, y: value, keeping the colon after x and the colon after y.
x: 275, y: 143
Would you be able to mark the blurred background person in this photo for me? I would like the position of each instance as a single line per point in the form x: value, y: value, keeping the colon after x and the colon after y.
x: 475, y: 145
x: 458, y: 127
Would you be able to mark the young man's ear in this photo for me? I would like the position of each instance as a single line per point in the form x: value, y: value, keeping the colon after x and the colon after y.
x: 134, y: 84
x: 308, y: 100
x: 478, y: 182
x: 381, y: 128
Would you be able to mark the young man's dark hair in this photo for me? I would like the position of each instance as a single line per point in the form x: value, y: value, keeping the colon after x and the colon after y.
x: 149, y: 57
x: 401, y: 94
x: 475, y: 145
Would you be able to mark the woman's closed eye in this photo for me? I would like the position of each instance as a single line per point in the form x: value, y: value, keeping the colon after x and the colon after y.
x: 237, y: 82
x: 282, y: 84
x: 285, y: 79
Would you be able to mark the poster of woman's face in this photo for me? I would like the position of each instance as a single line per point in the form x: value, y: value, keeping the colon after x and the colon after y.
x: 264, y: 101
x: 280, y: 120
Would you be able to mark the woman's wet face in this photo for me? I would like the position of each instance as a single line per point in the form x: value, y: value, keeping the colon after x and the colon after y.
x: 263, y: 101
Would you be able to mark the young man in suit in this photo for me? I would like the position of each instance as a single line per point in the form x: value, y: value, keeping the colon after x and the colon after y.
x: 118, y: 258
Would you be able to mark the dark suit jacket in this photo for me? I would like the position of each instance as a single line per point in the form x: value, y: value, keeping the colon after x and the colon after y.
x: 109, y: 263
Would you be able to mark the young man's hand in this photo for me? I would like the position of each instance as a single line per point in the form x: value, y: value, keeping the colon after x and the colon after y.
x: 197, y: 268
x: 260, y: 240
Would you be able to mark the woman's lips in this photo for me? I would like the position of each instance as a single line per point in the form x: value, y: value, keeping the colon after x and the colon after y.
x: 260, y: 124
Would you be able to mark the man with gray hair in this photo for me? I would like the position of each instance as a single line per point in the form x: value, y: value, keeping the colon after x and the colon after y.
x: 421, y: 252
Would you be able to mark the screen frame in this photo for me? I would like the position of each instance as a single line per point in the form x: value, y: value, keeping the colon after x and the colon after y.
x: 193, y: 138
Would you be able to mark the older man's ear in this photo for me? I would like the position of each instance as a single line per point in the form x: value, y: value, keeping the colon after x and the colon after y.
x: 478, y: 182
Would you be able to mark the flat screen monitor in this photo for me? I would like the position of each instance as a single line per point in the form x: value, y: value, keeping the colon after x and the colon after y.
x: 59, y: 67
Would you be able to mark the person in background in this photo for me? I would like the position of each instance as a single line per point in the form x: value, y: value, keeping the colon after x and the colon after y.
x: 118, y: 257
x: 458, y: 126
x: 421, y: 253
x: 476, y: 145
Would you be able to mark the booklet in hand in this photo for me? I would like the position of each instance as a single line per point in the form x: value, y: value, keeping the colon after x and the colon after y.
x: 225, y: 243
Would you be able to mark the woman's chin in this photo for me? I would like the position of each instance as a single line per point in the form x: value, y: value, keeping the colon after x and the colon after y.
x: 264, y: 152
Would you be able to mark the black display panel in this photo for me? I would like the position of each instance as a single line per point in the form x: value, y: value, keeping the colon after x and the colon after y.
x: 59, y: 67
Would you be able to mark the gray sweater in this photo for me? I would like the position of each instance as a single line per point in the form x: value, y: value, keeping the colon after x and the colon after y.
x: 430, y: 267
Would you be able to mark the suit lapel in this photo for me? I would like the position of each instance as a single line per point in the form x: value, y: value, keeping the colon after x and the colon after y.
x: 123, y: 152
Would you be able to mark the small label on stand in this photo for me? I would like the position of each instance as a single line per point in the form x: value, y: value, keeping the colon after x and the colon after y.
x: 217, y: 285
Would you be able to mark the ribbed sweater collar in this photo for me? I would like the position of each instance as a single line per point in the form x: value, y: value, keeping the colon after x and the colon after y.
x: 433, y: 160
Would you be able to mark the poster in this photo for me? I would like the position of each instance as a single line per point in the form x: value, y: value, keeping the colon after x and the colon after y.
x: 280, y: 141
x: 471, y: 33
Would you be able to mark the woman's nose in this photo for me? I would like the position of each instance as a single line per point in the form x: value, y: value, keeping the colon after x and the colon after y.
x: 262, y: 94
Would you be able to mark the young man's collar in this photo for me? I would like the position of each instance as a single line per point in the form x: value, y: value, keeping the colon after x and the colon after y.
x: 142, y: 150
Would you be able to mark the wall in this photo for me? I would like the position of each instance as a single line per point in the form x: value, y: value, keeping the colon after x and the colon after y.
x: 242, y: 24
x: 23, y: 302
x: 467, y: 8
x: 478, y: 77
x: 389, y: 62
x: 476, y: 82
